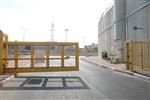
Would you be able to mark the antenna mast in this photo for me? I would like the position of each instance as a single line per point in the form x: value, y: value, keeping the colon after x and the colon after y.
x: 52, y: 32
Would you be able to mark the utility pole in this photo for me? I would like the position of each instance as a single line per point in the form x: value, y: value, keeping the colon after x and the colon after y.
x: 52, y: 32
x: 24, y: 30
x: 83, y: 40
x: 66, y: 34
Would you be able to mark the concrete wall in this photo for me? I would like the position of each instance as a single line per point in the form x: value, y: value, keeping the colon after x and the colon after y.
x: 119, y: 27
x: 105, y: 32
x: 117, y: 24
x: 132, y: 5
x: 139, y: 19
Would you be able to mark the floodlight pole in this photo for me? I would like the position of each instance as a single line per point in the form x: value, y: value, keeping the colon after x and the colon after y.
x: 66, y: 34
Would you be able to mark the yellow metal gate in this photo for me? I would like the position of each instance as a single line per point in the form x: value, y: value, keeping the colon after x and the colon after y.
x: 10, y: 55
x: 138, y: 55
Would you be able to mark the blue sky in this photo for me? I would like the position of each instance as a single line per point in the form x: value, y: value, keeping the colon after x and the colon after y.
x: 80, y: 17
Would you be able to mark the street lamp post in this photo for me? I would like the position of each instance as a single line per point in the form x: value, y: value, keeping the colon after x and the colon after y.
x: 24, y: 30
x: 66, y: 34
x: 83, y: 40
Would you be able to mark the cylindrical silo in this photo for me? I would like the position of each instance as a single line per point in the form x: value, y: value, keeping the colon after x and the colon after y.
x: 119, y: 27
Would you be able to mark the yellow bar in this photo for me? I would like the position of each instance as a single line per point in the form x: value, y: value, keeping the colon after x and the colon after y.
x: 16, y: 55
x: 47, y: 56
x: 131, y: 55
x: 137, y: 55
x: 42, y: 43
x: 141, y: 55
x: 146, y: 56
x: 127, y: 55
x: 6, y: 48
x: 46, y: 68
x: 62, y: 56
x: 1, y: 52
x: 77, y: 55
x: 41, y: 69
x: 32, y: 57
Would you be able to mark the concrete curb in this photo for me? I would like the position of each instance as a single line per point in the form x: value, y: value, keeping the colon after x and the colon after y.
x: 94, y: 63
x: 121, y: 71
x: 126, y: 72
x: 142, y: 76
x: 2, y: 82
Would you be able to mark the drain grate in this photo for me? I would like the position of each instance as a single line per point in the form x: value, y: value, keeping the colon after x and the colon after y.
x: 35, y: 81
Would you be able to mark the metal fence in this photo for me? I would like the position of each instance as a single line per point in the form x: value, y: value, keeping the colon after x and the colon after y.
x: 3, y: 50
x: 52, y: 60
x: 138, y: 55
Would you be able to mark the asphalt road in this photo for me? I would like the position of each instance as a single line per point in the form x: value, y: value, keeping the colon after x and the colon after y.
x: 90, y: 83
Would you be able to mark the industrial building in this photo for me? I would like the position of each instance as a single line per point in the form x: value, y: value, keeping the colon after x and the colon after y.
x: 123, y: 20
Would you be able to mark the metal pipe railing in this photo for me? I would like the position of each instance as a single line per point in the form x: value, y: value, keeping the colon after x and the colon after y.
x: 4, y: 58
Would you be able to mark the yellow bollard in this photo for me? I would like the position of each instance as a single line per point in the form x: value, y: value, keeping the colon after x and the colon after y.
x: 1, y: 53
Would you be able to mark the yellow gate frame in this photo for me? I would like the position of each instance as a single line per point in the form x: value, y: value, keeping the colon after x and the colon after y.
x: 4, y: 56
x: 137, y: 55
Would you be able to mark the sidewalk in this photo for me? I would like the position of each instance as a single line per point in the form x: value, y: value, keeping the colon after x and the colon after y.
x: 116, y: 67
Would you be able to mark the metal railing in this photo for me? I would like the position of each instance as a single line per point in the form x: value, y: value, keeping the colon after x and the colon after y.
x: 46, y: 56
x: 138, y: 55
x: 3, y: 51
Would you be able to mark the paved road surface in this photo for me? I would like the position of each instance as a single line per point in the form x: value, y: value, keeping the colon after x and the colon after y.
x: 90, y: 83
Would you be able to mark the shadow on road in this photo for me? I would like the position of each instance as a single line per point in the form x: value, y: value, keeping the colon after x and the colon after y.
x: 45, y: 83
